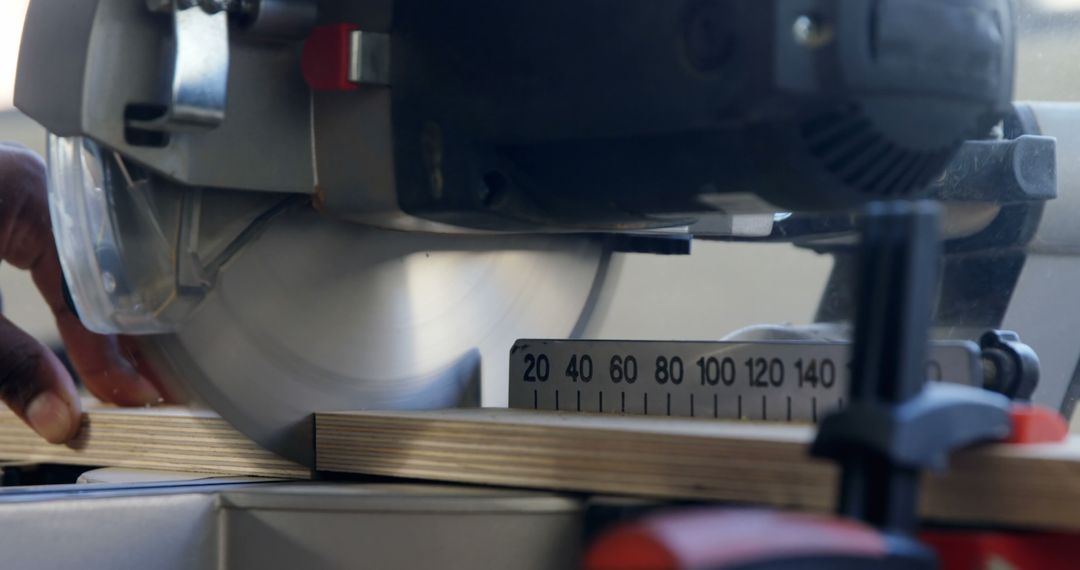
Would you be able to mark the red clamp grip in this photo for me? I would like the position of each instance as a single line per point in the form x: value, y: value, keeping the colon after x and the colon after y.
x: 964, y: 550
x: 727, y: 538
x: 1036, y: 424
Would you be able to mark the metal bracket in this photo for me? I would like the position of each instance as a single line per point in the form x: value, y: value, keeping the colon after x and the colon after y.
x: 369, y: 58
x: 200, y: 69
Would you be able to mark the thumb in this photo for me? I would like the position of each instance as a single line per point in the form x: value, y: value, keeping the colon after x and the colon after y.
x: 36, y: 386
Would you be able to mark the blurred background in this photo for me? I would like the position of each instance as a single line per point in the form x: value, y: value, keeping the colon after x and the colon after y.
x: 732, y: 285
x: 21, y: 302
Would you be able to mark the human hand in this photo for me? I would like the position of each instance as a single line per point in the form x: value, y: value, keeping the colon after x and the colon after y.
x: 33, y: 382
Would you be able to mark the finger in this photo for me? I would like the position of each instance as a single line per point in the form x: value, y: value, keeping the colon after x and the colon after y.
x: 133, y: 351
x: 26, y: 242
x: 35, y: 385
x: 97, y: 358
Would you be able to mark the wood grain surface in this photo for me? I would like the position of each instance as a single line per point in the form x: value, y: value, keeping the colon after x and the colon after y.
x: 1035, y: 486
x: 161, y: 438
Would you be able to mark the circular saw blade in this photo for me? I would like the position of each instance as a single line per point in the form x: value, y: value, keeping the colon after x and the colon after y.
x: 317, y: 315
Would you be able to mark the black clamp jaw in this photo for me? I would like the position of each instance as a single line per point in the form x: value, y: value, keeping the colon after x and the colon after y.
x: 897, y: 424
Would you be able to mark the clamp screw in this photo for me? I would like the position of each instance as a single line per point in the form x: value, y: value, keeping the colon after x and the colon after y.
x: 1010, y: 366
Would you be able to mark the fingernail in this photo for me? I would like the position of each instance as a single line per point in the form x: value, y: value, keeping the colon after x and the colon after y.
x: 50, y: 417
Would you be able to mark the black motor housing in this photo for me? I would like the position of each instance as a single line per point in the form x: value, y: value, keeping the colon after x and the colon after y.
x: 618, y: 114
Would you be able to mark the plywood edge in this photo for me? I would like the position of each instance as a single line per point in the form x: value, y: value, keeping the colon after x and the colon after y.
x: 168, y: 438
x: 1035, y: 486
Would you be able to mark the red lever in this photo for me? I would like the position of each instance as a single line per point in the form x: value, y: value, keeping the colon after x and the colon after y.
x: 325, y: 59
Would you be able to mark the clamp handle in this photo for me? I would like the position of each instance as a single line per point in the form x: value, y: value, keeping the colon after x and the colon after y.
x: 896, y: 425
x: 199, y: 71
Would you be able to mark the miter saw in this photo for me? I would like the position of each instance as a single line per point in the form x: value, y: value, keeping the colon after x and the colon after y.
x: 312, y: 205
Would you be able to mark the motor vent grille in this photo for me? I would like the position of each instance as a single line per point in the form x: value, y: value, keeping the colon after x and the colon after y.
x: 851, y: 149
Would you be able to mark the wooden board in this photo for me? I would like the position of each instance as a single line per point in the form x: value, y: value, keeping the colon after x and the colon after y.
x: 1030, y: 486
x: 162, y: 438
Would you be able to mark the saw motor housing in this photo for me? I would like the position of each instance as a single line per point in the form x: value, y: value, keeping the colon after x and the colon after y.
x: 609, y: 116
